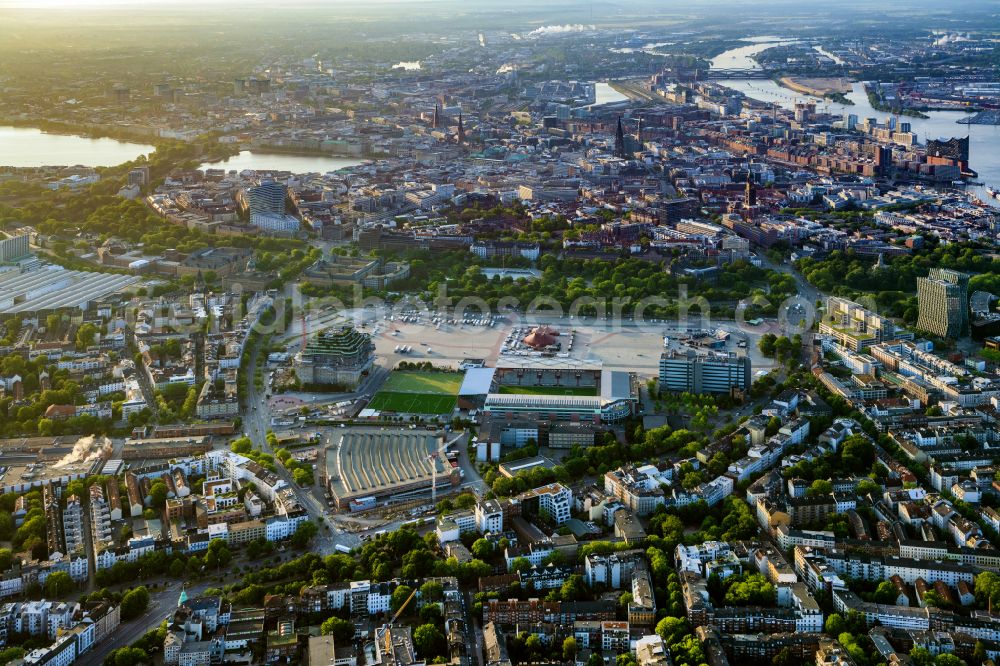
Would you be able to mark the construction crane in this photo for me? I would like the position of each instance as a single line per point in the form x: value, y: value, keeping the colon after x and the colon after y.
x: 403, y: 606
x: 388, y: 626
x: 434, y: 457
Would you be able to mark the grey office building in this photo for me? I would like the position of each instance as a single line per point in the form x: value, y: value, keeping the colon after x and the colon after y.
x: 13, y: 248
x: 703, y: 373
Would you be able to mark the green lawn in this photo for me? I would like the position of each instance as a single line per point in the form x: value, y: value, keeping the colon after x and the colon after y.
x: 439, y: 383
x: 412, y: 403
x: 550, y: 390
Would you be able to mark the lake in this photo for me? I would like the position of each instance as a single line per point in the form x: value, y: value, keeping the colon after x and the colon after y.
x: 605, y: 94
x: 984, y: 140
x: 30, y: 147
x: 256, y: 161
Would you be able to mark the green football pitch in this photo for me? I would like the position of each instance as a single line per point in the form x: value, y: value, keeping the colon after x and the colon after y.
x: 412, y: 403
x: 418, y: 393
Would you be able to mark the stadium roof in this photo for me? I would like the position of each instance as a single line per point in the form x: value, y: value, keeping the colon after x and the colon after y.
x: 477, y: 381
x: 526, y: 400
x: 535, y: 362
x: 615, y: 385
x: 54, y: 288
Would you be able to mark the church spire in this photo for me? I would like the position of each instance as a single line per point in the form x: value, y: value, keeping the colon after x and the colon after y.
x: 461, y: 129
x: 751, y: 192
x: 436, y: 121
x: 620, y: 140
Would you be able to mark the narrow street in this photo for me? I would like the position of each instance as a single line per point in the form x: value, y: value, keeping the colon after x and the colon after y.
x: 88, y: 544
x: 148, y: 393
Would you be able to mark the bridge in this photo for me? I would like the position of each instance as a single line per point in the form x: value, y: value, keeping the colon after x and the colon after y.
x: 715, y: 74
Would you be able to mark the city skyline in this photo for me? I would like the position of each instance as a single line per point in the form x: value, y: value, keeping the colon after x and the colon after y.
x: 573, y: 333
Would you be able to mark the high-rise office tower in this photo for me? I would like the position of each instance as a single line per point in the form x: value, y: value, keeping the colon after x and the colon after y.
x: 943, y: 303
x: 268, y: 197
x: 13, y: 248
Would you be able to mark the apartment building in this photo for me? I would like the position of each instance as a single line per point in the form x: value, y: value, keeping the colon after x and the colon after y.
x: 554, y: 501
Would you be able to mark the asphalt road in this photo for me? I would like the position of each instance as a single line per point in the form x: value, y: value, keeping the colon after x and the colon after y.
x: 474, y: 638
x: 256, y: 421
x: 806, y: 290
x: 162, y: 603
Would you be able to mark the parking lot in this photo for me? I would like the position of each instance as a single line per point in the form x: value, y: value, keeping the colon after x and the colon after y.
x: 623, y: 347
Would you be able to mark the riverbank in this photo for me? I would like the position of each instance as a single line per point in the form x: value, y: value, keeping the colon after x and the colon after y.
x: 311, y: 152
x: 835, y: 89
x: 818, y: 86
x: 86, y: 130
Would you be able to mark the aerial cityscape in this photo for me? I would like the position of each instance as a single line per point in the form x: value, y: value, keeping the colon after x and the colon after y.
x: 496, y: 334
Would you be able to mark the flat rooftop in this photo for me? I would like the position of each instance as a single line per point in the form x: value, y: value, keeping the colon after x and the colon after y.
x: 31, y: 462
x: 616, y: 385
x: 512, y: 468
x: 477, y: 381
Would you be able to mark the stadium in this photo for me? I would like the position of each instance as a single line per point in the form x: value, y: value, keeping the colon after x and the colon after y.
x: 365, y: 466
x: 555, y: 388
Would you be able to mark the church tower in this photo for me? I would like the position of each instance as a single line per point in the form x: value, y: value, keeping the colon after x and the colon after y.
x: 751, y: 192
x: 620, y: 140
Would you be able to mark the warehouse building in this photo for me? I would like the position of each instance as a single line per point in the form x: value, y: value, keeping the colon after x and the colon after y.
x: 368, y: 465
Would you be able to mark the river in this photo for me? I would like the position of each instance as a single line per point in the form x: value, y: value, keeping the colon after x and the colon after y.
x: 742, y: 56
x: 820, y: 50
x: 282, y: 162
x: 30, y: 147
x: 984, y: 140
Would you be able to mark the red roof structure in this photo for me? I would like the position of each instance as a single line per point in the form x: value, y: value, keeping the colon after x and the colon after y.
x: 541, y: 337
